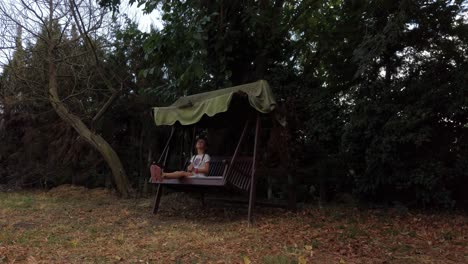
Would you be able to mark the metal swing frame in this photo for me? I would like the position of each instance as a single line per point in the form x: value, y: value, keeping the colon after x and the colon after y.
x: 236, y: 171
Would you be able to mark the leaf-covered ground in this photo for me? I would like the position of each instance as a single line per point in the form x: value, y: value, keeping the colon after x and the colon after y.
x: 75, y: 225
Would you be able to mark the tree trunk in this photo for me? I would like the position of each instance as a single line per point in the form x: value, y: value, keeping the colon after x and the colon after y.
x: 95, y: 140
x: 4, y: 118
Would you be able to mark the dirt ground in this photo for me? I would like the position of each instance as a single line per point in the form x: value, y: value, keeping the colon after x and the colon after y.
x: 75, y: 225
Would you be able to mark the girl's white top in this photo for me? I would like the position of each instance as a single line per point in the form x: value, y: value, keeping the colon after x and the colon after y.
x: 199, y: 161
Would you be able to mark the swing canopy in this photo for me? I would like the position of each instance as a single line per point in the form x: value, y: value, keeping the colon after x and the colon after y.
x: 189, y: 110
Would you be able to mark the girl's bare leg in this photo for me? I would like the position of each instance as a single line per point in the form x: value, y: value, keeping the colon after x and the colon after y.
x: 176, y: 174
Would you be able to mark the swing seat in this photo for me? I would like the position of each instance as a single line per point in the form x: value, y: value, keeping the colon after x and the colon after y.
x: 220, y: 175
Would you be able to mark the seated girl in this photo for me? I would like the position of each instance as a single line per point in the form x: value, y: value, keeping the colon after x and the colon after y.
x: 199, y: 165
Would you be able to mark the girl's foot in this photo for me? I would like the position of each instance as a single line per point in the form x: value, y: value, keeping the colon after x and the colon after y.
x: 156, y: 173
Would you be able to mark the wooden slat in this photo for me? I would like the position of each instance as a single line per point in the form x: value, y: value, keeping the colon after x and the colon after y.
x: 240, y: 173
x: 239, y: 178
x: 248, y: 172
x: 245, y: 174
x: 217, y: 166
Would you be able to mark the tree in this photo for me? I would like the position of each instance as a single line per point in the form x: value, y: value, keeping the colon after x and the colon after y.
x: 70, y: 60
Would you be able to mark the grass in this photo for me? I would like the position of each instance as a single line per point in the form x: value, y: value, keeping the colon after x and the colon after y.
x: 76, y: 225
x: 278, y: 259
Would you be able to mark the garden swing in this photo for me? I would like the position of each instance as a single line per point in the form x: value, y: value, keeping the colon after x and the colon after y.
x: 236, y: 170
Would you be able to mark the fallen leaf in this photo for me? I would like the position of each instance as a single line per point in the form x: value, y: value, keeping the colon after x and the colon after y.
x: 32, y: 260
x: 74, y: 243
x: 247, y: 260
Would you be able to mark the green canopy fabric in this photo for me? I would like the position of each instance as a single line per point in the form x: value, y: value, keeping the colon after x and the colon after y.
x: 190, y: 109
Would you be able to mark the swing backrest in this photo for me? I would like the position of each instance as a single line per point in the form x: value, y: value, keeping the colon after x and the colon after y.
x: 240, y: 174
x: 218, y: 166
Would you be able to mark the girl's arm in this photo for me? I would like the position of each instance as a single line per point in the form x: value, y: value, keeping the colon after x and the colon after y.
x: 205, y: 170
x: 190, y: 167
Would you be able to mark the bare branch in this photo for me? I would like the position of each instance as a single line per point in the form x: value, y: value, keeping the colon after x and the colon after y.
x: 105, y: 107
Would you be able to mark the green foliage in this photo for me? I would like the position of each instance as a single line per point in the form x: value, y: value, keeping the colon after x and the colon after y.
x: 405, y: 133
